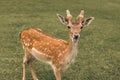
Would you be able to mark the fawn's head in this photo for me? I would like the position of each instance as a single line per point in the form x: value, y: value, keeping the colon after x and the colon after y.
x: 75, y: 26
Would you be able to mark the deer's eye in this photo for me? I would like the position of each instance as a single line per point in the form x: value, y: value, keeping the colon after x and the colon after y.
x: 68, y: 27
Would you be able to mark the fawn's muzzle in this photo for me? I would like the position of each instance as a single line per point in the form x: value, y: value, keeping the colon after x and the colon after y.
x: 75, y: 37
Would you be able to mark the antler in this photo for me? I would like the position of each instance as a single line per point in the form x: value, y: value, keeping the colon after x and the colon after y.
x: 69, y: 16
x: 80, y: 16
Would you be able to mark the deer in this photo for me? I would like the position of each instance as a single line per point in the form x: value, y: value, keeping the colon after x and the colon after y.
x: 58, y: 53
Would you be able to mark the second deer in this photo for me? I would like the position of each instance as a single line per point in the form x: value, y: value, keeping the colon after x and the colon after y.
x: 56, y: 52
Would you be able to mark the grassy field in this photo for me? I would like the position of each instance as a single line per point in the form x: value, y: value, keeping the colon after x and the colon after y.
x: 99, y: 45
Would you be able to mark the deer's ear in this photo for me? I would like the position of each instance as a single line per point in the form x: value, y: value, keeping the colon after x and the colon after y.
x: 87, y: 21
x: 62, y: 19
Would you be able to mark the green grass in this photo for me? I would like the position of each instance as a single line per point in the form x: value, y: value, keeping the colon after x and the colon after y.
x: 99, y: 45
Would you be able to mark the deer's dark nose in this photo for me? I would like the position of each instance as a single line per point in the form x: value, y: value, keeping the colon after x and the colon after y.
x: 76, y: 36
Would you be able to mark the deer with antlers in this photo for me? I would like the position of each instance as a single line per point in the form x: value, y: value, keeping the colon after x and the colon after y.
x: 56, y: 52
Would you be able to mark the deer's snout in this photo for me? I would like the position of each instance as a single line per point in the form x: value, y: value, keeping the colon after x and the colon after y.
x: 76, y: 36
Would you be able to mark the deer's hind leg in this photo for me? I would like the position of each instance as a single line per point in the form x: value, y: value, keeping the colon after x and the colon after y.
x: 32, y: 70
x: 27, y: 60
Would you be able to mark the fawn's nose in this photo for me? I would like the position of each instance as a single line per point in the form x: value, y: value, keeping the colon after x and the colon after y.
x: 76, y: 36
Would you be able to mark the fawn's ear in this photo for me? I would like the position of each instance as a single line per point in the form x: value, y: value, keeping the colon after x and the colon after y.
x: 87, y: 21
x: 62, y: 19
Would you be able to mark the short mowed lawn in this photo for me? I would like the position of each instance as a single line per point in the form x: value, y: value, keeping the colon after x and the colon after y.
x: 99, y: 45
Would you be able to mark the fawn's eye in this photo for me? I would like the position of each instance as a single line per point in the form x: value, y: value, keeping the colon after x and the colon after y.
x: 68, y: 27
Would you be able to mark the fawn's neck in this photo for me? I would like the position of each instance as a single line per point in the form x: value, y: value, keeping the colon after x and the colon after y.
x: 72, y: 52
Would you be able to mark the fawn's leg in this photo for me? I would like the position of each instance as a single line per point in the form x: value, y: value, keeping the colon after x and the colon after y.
x: 28, y: 59
x: 57, y: 73
x: 25, y: 60
x: 32, y: 71
x: 24, y: 69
